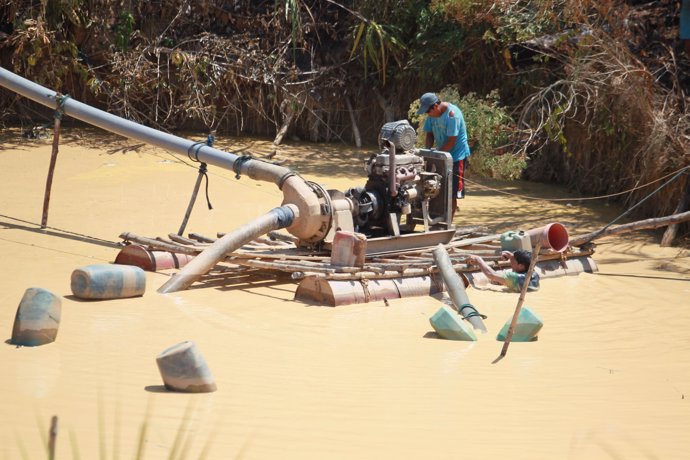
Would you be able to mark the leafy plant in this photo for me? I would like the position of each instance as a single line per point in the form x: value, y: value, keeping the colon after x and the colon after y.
x: 40, y: 55
x: 124, y: 30
x: 377, y: 44
x: 292, y: 16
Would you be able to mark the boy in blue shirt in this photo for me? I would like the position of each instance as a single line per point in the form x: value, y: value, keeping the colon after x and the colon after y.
x: 445, y: 128
x: 514, y: 278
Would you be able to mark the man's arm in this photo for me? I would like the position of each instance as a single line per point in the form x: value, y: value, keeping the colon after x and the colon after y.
x: 429, y: 141
x: 486, y: 269
x: 449, y: 144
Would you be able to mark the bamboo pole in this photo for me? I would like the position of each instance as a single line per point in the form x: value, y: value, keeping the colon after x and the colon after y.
x: 521, y: 300
x: 283, y: 237
x: 186, y: 241
x: 51, y: 168
x: 171, y: 247
x: 283, y: 267
x: 646, y: 224
x: 192, y: 200
x: 201, y: 238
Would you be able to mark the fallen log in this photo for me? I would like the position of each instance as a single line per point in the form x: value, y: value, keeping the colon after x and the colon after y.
x: 646, y: 224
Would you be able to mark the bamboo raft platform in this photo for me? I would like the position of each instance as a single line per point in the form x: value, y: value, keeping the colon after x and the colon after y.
x: 393, y: 274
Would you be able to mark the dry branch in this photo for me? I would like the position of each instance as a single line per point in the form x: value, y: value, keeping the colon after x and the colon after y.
x: 627, y: 228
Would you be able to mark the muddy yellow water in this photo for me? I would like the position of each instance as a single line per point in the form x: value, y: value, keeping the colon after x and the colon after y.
x: 609, y: 377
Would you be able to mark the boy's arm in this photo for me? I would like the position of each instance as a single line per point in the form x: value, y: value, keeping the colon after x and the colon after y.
x: 507, y: 255
x: 486, y: 269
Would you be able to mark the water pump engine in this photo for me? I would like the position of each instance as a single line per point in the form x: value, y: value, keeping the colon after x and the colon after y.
x: 406, y: 186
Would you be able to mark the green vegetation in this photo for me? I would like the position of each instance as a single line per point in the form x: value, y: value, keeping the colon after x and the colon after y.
x: 124, y: 30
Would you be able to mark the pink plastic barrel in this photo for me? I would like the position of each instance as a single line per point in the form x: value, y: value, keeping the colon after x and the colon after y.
x: 349, y: 249
x: 151, y: 261
x: 553, y: 236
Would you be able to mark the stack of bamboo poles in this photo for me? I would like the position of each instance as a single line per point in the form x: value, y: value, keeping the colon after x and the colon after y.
x: 278, y: 252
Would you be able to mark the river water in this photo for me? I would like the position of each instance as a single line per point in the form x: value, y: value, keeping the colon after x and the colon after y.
x: 609, y: 377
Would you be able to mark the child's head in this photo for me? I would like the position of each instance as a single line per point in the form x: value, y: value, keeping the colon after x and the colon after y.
x: 522, y: 260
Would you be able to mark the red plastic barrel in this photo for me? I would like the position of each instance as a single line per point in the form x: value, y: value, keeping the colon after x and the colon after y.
x: 151, y: 261
x: 553, y: 236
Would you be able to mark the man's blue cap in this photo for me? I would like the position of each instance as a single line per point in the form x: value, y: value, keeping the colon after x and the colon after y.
x: 425, y: 102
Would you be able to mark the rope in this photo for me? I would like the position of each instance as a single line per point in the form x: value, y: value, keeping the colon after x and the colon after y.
x: 603, y: 229
x: 365, y: 287
x: 527, y: 197
x: 202, y: 171
x: 60, y: 109
x: 237, y: 165
x: 68, y: 232
x: 194, y: 148
x: 210, y: 139
x: 471, y: 314
x: 284, y: 178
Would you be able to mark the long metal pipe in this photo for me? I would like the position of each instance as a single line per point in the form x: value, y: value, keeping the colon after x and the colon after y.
x: 295, y: 189
x: 121, y: 126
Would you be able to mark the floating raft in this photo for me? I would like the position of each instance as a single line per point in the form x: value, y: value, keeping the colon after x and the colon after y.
x: 384, y: 275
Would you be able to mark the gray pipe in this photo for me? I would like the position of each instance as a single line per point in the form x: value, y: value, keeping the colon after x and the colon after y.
x: 456, y: 288
x: 294, y: 188
x: 118, y: 125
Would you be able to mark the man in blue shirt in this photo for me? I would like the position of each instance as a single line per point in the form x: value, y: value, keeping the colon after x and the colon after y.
x: 445, y: 129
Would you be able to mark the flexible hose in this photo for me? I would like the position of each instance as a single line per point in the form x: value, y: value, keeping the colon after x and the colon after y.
x: 275, y: 219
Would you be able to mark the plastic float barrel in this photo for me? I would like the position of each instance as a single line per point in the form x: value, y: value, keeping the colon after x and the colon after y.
x: 349, y: 249
x: 527, y: 327
x: 184, y: 369
x: 37, y: 319
x: 512, y: 241
x: 554, y: 236
x: 151, y: 261
x: 450, y: 325
x: 108, y: 282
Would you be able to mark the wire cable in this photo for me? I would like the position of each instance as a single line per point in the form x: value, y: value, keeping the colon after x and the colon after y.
x: 600, y: 197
